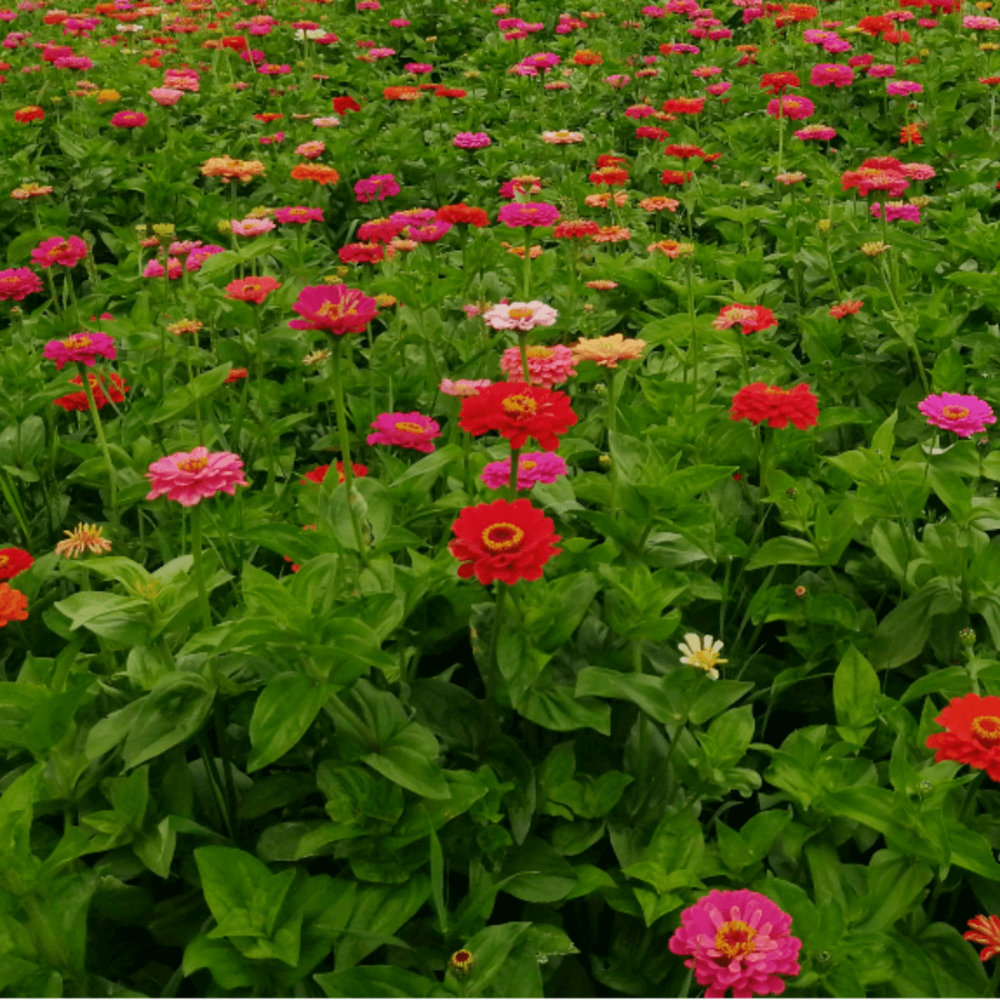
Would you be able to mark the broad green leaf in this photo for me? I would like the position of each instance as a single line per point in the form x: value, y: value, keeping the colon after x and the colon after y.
x: 170, y: 714
x: 284, y: 711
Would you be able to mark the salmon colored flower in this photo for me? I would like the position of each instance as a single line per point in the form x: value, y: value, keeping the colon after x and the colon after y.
x: 14, y: 561
x: 503, y: 541
x: 779, y: 407
x: 750, y: 319
x: 83, y: 538
x: 606, y: 352
x: 843, y: 309
x: 84, y: 348
x: 190, y: 477
x: 14, y: 605
x: 985, y: 930
x: 519, y: 411
x: 315, y: 172
x: 406, y: 430
x: 228, y: 169
x: 547, y: 366
x: 254, y: 290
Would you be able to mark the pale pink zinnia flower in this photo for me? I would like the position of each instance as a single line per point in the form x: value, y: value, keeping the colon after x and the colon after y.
x: 190, y: 477
x: 521, y: 316
x: 547, y: 366
x: 407, y: 430
x: 166, y: 96
x: 737, y: 940
x: 965, y: 415
x: 463, y: 387
x: 311, y: 150
x: 532, y: 467
x: 252, y: 227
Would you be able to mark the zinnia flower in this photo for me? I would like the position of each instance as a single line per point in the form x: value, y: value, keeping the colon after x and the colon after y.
x: 113, y: 389
x: 318, y: 474
x: 190, y: 477
x: 702, y: 653
x: 985, y: 930
x: 737, y: 940
x: 518, y: 411
x: 378, y: 187
x: 31, y: 113
x: 336, y: 309
x: 463, y: 387
x: 529, y: 214
x: 503, y: 541
x: 18, y: 282
x: 254, y: 290
x: 57, y: 250
x: 299, y: 214
x: 792, y: 106
x: 521, y: 316
x: 825, y: 74
x: 315, y: 172
x: 84, y: 537
x: 14, y: 605
x: 751, y: 319
x: 128, y: 119
x: 14, y: 561
x: 823, y: 132
x: 606, y: 352
x: 758, y: 402
x: 532, y: 467
x: 407, y: 430
x: 471, y: 140
x: 547, y: 366
x: 843, y: 309
x: 85, y: 348
x: 965, y: 415
x: 972, y: 734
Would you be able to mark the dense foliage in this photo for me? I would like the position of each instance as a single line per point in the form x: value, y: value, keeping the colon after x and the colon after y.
x: 403, y: 726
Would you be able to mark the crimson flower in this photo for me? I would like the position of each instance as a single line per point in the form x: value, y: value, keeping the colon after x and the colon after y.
x: 759, y: 402
x: 985, y: 930
x: 336, y: 309
x: 518, y: 411
x: 972, y: 734
x: 503, y: 541
x: 14, y: 561
x: 318, y: 474
x: 751, y: 319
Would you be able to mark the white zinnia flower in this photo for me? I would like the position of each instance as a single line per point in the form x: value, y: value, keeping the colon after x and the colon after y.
x: 702, y: 653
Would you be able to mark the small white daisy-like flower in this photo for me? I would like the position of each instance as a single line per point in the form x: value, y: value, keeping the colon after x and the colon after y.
x: 702, y: 653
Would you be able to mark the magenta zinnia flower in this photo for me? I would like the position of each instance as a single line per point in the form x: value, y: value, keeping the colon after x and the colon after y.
x: 84, y: 347
x: 791, y: 106
x: 334, y: 308
x: 377, y: 187
x: 530, y: 213
x: 408, y: 430
x: 826, y: 73
x: 299, y: 214
x: 57, y: 250
x: 128, y: 119
x: 532, y: 467
x: 17, y: 282
x: 737, y: 940
x: 190, y: 477
x: 471, y: 140
x: 965, y: 415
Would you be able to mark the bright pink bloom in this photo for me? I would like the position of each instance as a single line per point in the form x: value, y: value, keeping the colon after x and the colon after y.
x: 17, y: 282
x: 84, y: 347
x: 471, y: 140
x: 951, y: 411
x: 882, y: 70
x: 825, y: 74
x: 190, y: 477
x: 897, y: 212
x: 154, y: 269
x: 408, y: 430
x: 128, y: 119
x: 299, y: 214
x: 791, y: 106
x: 532, y: 467
x: 336, y: 309
x: 67, y: 252
x: 547, y: 366
x: 737, y: 940
x: 902, y: 88
x: 166, y: 96
x: 378, y: 187
x: 427, y: 232
x: 823, y: 132
x: 529, y: 214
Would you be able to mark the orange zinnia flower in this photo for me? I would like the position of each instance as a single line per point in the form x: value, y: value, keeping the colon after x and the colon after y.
x: 13, y: 605
x: 315, y: 172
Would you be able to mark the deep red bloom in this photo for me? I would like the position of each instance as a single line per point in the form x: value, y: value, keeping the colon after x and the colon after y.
x: 14, y: 561
x: 875, y: 24
x: 463, y: 213
x: 518, y: 411
x: 503, y: 541
x: 344, y: 104
x: 114, y: 390
x: 610, y: 160
x: 318, y: 474
x: 684, y: 151
x: 684, y: 105
x: 972, y: 734
x: 361, y: 253
x: 985, y: 930
x: 612, y: 176
x: 760, y: 401
x: 576, y: 229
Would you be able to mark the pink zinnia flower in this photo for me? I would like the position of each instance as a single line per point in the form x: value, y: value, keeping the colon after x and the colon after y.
x: 901, y: 88
x: 408, y: 430
x: 823, y: 132
x: 336, y: 309
x: 166, y: 96
x: 790, y: 106
x: 378, y: 187
x: 68, y: 252
x: 831, y: 73
x: 738, y: 940
x: 463, y: 387
x: 128, y: 119
x: 154, y: 269
x: 965, y: 415
x: 198, y: 256
x: 471, y: 140
x: 521, y: 316
x: 897, y: 212
x: 529, y: 214
x: 17, y: 282
x: 299, y: 214
x: 547, y: 366
x: 311, y: 150
x: 427, y: 232
x: 881, y: 70
x: 252, y: 227
x: 190, y: 477
x: 84, y: 347
x: 532, y: 467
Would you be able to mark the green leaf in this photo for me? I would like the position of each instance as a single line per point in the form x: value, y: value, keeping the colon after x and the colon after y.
x: 653, y: 695
x: 228, y: 967
x: 785, y: 551
x: 284, y: 711
x: 378, y: 981
x: 378, y: 911
x: 855, y: 691
x: 489, y: 948
x: 170, y: 714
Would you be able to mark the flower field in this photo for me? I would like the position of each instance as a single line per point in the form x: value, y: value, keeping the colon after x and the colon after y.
x: 499, y: 501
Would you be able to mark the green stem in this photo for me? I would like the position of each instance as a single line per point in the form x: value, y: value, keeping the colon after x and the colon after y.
x: 493, y: 667
x: 527, y: 263
x: 522, y: 343
x: 102, y: 441
x: 345, y: 446
x: 694, y: 335
x: 612, y: 429
x: 199, y: 566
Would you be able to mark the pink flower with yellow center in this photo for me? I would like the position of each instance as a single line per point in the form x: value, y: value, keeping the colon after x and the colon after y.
x: 336, y: 309
x: 951, y: 411
x: 406, y: 430
x: 252, y: 227
x: 547, y: 366
x: 84, y: 348
x: 532, y: 467
x: 190, y: 477
x: 521, y: 316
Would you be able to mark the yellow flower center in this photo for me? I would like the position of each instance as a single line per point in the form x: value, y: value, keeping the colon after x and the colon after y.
x: 502, y: 537
x: 520, y: 405
x: 735, y: 939
x: 4, y: 560
x: 521, y: 312
x: 409, y: 426
x: 986, y: 728
x: 193, y: 464
x: 526, y: 466
x: 77, y: 341
x: 540, y: 352
x: 954, y: 413
x: 705, y: 659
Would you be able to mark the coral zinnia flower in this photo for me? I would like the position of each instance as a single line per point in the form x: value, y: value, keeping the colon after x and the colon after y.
x: 228, y: 169
x: 547, y: 366
x: 31, y: 113
x: 737, y: 940
x: 84, y: 537
x: 503, y: 541
x: 843, y: 309
x: 407, y: 430
x: 318, y: 474
x: 190, y: 477
x: 14, y: 561
x: 606, y: 352
x: 315, y: 172
x: 14, y: 605
x: 85, y: 348
x: 972, y: 734
x: 758, y: 402
x: 334, y: 308
x: 965, y: 415
x: 751, y: 319
x: 251, y: 289
x: 985, y: 930
x: 577, y: 229
x: 684, y: 106
x: 462, y: 213
x: 519, y: 411
x: 115, y: 391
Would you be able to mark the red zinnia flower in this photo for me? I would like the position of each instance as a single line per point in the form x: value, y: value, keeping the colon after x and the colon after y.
x: 576, y: 229
x: 985, y: 930
x: 361, y: 253
x: 518, y: 411
x: 759, y: 402
x: 972, y: 734
x: 113, y: 389
x: 843, y: 309
x: 751, y: 319
x: 503, y: 541
x: 14, y: 561
x: 463, y: 213
x: 612, y: 176
x: 251, y: 289
x: 684, y: 105
x: 675, y: 176
x: 610, y: 160
x: 777, y: 82
x: 318, y: 474
x: 344, y: 104
x: 684, y: 151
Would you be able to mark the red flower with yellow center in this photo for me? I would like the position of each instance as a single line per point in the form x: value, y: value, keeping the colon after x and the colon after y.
x: 519, y: 411
x: 779, y: 407
x: 14, y: 561
x: 986, y: 931
x: 972, y: 734
x: 503, y: 541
